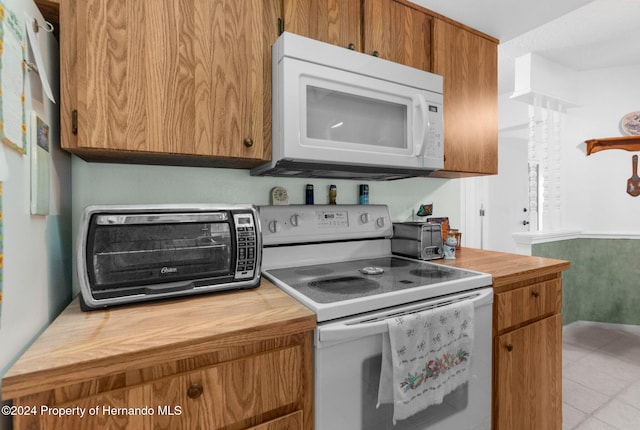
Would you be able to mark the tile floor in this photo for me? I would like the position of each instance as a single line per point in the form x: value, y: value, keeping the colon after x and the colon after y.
x: 600, y: 377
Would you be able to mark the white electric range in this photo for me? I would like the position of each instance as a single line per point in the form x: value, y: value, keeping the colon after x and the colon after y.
x: 337, y: 260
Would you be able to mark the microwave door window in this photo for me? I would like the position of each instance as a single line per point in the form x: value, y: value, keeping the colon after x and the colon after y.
x: 160, y: 252
x: 345, y: 119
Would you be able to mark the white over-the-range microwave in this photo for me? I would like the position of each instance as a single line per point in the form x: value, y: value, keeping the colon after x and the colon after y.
x: 339, y: 113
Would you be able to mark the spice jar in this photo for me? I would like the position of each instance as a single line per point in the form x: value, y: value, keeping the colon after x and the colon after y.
x: 333, y: 193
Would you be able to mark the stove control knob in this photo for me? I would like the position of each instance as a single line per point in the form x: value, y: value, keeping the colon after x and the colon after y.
x: 380, y: 222
x: 364, y: 217
x: 274, y: 226
x: 295, y: 220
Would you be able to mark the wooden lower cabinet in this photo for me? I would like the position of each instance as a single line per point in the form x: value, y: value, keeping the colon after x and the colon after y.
x: 527, y: 336
x: 265, y: 391
x: 529, y: 374
x: 527, y: 357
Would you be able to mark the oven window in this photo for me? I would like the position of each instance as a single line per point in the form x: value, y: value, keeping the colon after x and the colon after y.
x: 134, y: 255
x: 348, y: 365
x: 381, y: 418
x: 348, y: 375
x: 340, y: 117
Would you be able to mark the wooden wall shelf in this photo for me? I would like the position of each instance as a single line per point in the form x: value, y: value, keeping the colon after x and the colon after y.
x: 628, y: 143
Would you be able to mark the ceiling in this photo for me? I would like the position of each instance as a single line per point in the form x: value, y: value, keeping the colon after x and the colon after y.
x: 580, y: 34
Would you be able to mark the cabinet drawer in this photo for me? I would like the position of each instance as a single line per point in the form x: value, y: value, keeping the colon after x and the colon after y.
x: 238, y: 393
x: 527, y: 303
x: 288, y: 422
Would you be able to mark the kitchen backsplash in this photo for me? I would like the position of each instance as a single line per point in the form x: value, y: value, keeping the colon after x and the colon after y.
x: 101, y: 183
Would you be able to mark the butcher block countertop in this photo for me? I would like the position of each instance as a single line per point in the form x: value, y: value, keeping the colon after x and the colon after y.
x: 118, y: 339
x: 508, y: 270
x: 101, y: 343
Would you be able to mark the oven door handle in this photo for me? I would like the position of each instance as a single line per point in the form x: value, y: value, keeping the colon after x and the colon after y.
x: 355, y: 329
x: 348, y: 331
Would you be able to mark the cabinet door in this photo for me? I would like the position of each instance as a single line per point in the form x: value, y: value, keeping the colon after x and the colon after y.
x: 468, y: 63
x: 168, y: 77
x: 528, y: 388
x: 332, y: 21
x: 398, y: 32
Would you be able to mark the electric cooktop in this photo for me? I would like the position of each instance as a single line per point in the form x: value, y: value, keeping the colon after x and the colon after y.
x: 357, y: 279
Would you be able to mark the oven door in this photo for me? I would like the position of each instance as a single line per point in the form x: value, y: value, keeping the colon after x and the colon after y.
x: 348, y: 360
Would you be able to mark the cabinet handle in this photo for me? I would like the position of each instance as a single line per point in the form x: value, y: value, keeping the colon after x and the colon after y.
x: 194, y: 391
x: 74, y: 121
x: 351, y: 46
x: 509, y: 347
x: 535, y: 293
x: 248, y: 142
x: 280, y: 26
x: 375, y: 53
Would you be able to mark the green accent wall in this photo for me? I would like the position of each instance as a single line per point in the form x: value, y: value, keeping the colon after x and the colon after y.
x: 603, y: 283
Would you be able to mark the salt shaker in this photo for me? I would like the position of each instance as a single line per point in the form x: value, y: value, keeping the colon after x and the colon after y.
x: 450, y: 248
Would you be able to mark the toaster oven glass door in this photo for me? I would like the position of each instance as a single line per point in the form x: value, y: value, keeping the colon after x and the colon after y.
x: 124, y: 255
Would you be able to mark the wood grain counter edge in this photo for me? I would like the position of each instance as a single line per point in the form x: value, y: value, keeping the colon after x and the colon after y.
x: 102, y: 343
x: 507, y: 270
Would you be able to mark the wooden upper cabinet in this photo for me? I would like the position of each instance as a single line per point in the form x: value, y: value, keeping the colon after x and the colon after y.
x: 405, y: 33
x: 468, y: 63
x: 338, y: 22
x: 189, y: 81
x: 399, y: 32
x: 395, y: 30
x: 183, y: 77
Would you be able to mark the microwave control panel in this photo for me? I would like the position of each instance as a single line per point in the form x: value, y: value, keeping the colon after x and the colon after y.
x: 246, y: 239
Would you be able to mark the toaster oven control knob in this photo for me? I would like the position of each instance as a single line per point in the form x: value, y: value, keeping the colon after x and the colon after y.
x: 274, y: 226
x: 380, y: 222
x: 364, y: 217
x: 295, y: 220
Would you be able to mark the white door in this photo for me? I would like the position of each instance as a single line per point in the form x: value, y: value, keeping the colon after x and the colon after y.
x: 508, y: 196
x: 493, y: 208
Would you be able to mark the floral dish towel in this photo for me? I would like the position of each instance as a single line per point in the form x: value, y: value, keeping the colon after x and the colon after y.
x: 425, y: 356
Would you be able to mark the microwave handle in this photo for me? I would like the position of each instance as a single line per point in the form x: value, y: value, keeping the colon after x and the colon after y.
x: 423, y: 112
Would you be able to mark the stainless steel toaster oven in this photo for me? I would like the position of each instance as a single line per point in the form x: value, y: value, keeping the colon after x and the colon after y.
x: 422, y: 240
x: 132, y: 253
